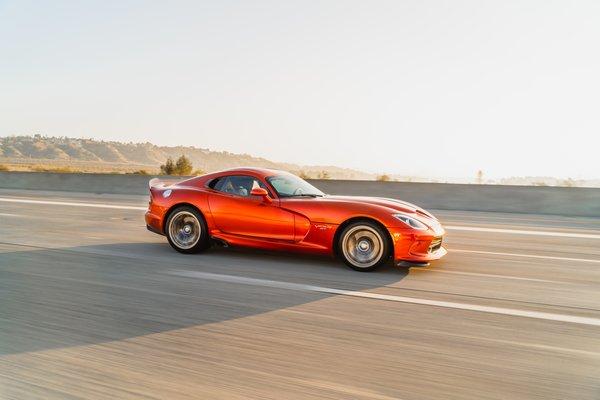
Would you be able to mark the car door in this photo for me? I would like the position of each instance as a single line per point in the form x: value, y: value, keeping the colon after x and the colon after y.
x: 235, y: 211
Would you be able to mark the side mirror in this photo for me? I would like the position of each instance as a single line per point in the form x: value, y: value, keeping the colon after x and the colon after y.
x: 262, y: 193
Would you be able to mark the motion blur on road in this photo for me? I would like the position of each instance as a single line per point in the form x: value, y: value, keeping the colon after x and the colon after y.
x: 93, y: 306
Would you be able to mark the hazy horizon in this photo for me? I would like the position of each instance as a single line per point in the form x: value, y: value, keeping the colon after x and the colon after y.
x: 411, y: 88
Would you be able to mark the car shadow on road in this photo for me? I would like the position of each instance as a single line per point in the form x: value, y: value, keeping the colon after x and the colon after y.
x: 55, y: 298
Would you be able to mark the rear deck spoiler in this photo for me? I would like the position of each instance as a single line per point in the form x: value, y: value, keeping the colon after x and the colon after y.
x: 155, y: 183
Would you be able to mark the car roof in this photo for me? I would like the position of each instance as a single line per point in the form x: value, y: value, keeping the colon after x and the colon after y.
x: 252, y: 170
x: 262, y: 173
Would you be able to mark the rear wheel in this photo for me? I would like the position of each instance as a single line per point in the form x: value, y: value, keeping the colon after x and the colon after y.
x: 363, y: 246
x: 186, y: 230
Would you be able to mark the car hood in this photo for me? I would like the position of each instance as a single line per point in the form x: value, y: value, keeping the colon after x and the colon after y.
x: 335, y: 210
x: 394, y: 204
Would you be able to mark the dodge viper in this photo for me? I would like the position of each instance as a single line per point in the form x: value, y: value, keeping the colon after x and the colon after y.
x: 270, y: 209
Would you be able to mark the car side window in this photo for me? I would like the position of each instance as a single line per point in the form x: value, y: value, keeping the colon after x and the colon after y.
x: 240, y: 185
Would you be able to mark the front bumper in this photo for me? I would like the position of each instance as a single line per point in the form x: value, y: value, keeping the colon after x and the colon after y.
x: 421, y: 261
x: 418, y: 248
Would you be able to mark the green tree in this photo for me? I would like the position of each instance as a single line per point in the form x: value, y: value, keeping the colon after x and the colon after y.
x: 168, y: 168
x: 568, y: 182
x: 480, y: 177
x: 183, y: 166
x: 383, y: 178
x: 324, y: 175
x: 303, y: 175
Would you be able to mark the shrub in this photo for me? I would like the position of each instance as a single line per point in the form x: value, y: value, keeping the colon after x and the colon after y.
x: 59, y: 170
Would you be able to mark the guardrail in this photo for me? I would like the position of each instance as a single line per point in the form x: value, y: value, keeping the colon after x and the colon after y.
x: 435, y: 196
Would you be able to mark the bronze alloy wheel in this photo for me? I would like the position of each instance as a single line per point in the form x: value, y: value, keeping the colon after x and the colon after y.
x: 186, y: 230
x: 363, y: 246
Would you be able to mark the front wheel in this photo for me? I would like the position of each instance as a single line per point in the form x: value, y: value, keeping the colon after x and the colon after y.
x: 363, y: 246
x: 186, y: 230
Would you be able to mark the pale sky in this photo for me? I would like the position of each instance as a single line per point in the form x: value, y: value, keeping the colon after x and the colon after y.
x: 428, y: 88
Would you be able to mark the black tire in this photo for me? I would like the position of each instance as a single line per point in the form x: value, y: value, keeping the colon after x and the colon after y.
x: 186, y: 230
x: 364, y: 246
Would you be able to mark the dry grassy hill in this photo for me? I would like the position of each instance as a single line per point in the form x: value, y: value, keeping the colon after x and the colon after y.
x: 88, y: 155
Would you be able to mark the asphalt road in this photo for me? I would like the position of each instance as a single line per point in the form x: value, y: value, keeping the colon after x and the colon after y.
x: 93, y: 306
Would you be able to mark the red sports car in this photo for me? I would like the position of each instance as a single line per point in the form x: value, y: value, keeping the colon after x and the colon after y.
x: 271, y: 209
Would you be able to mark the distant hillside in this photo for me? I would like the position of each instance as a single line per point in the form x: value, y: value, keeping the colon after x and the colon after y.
x: 99, y: 156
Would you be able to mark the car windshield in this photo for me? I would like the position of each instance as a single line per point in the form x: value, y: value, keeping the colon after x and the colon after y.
x: 288, y: 185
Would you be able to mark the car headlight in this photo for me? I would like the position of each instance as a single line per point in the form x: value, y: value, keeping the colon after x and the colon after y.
x: 412, y: 222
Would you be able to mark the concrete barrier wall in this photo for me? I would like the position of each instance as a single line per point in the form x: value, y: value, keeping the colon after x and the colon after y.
x: 90, y: 183
x: 498, y: 198
x: 436, y: 196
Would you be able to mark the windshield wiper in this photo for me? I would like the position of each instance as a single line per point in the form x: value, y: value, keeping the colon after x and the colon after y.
x: 305, y: 195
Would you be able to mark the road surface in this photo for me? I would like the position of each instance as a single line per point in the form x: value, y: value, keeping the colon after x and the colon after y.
x: 93, y: 306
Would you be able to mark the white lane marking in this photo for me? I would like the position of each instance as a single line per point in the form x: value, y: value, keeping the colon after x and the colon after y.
x: 522, y: 232
x: 448, y: 227
x: 436, y: 303
x: 10, y: 215
x: 72, y: 204
x: 525, y: 255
